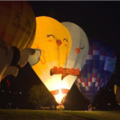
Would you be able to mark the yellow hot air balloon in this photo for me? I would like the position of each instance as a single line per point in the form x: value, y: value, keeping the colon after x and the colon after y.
x: 117, y: 94
x: 17, y: 23
x: 54, y: 41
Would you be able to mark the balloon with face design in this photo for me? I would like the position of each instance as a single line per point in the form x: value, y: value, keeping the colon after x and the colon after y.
x: 54, y: 41
x: 80, y: 46
x: 79, y: 51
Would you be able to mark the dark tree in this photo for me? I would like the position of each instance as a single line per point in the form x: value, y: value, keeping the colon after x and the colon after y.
x: 39, y: 95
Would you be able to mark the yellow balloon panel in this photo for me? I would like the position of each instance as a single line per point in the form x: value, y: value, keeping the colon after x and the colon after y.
x: 54, y: 41
x: 17, y: 24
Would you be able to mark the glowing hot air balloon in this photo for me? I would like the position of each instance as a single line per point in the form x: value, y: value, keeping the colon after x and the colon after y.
x: 98, y: 69
x: 80, y: 46
x: 17, y: 29
x: 17, y: 23
x: 54, y: 41
x: 78, y: 53
x: 117, y: 93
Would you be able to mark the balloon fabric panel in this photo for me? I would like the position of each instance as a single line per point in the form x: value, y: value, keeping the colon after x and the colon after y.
x: 98, y: 69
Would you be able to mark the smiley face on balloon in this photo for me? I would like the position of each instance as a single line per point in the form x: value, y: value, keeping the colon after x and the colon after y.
x: 54, y: 41
x: 80, y: 45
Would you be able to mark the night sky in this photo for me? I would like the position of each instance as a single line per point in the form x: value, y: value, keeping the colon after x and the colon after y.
x: 98, y: 20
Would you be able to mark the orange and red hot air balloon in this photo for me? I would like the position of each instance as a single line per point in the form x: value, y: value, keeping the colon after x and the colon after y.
x: 17, y: 29
x: 17, y: 23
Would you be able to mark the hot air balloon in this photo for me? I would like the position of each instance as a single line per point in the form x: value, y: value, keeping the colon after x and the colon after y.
x: 9, y: 65
x: 98, y: 69
x: 117, y: 93
x: 54, y: 41
x: 25, y: 54
x: 55, y: 68
x: 17, y: 23
x: 17, y: 29
x: 79, y: 51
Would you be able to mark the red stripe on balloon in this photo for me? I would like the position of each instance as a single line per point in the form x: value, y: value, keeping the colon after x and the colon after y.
x: 89, y: 79
x: 64, y: 91
x: 98, y: 79
x: 90, y: 52
x: 86, y: 83
x: 102, y: 53
x: 55, y: 92
x: 96, y: 47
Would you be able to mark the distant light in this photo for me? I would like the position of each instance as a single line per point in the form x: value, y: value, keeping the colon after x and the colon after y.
x: 20, y: 92
x: 109, y: 103
x: 2, y: 90
x: 109, y: 90
x: 85, y: 110
x: 9, y: 91
x: 9, y: 103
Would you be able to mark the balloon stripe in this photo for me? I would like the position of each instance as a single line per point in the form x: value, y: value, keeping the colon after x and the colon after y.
x: 55, y: 92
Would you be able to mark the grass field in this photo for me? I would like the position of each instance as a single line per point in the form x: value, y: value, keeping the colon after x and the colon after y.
x: 16, y: 114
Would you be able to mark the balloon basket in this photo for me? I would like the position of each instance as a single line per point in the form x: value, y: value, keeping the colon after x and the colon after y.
x: 60, y: 107
x: 90, y: 108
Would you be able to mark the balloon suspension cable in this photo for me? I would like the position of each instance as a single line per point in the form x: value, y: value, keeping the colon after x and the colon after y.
x: 90, y: 107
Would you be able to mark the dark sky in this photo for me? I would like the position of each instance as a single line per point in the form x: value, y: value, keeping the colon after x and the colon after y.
x: 98, y: 20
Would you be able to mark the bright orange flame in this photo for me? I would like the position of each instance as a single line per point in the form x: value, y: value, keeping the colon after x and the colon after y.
x: 59, y: 97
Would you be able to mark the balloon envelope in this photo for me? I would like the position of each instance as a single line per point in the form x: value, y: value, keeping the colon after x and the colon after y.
x: 80, y: 46
x: 98, y: 69
x: 54, y: 41
x: 6, y: 54
x: 79, y: 51
x: 17, y: 23
x: 59, y: 55
x: 26, y: 54
x: 117, y: 93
